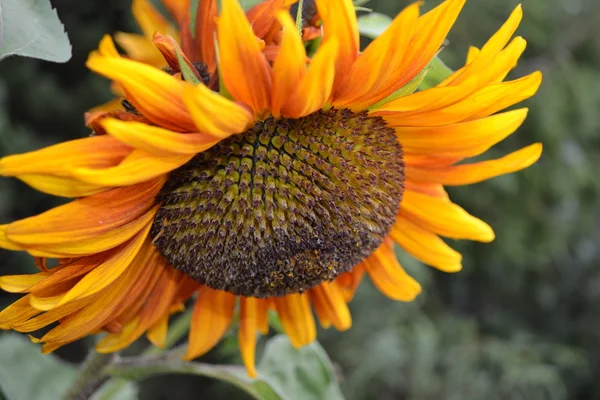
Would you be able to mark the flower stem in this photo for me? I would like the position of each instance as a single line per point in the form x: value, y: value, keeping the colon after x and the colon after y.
x: 90, y: 377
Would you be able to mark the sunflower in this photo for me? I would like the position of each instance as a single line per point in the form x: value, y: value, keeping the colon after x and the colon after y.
x: 253, y: 183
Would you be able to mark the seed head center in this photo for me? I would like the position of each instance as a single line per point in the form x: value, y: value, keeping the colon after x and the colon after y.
x: 284, y: 206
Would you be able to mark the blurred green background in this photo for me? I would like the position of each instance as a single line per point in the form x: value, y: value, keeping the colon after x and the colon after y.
x: 521, y: 321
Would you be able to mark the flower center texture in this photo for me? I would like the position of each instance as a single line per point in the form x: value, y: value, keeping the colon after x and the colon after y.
x: 283, y: 206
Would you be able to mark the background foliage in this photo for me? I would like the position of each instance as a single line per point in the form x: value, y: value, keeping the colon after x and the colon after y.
x: 521, y: 321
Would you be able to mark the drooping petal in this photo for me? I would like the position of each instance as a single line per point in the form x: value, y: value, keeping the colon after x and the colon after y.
x: 86, y: 218
x: 211, y: 317
x: 296, y: 318
x: 443, y: 217
x: 96, y: 244
x: 170, y: 51
x: 330, y: 305
x: 388, y: 275
x: 425, y: 245
x: 112, y: 269
x: 244, y: 69
x: 214, y: 114
x: 250, y: 315
x: 466, y: 174
x: 314, y: 90
x: 58, y: 160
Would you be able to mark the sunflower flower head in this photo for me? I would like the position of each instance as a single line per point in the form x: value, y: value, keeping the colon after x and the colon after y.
x: 243, y: 174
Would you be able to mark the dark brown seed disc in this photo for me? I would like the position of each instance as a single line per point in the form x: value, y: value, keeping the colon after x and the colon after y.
x: 284, y: 206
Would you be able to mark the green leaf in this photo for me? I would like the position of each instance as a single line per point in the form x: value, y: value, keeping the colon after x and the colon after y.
x: 27, y: 374
x: 373, y: 24
x: 305, y: 373
x: 284, y: 373
x: 186, y: 71
x: 31, y: 28
x: 248, y: 4
x: 437, y: 72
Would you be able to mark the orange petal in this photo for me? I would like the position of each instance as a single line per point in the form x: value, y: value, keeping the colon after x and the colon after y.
x: 427, y: 37
x: 314, y: 90
x: 339, y: 22
x: 244, y: 69
x: 425, y: 245
x: 466, y: 174
x: 213, y: 114
x: 157, y: 141
x: 289, y: 66
x: 170, y: 50
x: 96, y: 244
x: 384, y: 55
x: 388, y: 275
x: 249, y: 309
x: 153, y: 92
x: 88, y: 217
x: 262, y: 16
x: 466, y: 139
x: 328, y: 300
x: 112, y: 269
x: 200, y: 45
x: 211, y: 317
x: 449, y: 104
x: 430, y: 189
x: 348, y: 282
x: 296, y: 318
x: 17, y: 313
x: 443, y: 217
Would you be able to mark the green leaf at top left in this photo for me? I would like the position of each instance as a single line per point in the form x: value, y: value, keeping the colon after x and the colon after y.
x: 31, y: 28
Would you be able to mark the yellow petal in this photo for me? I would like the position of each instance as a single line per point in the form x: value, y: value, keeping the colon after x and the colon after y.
x: 140, y: 48
x: 466, y: 174
x: 157, y: 141
x: 466, y: 139
x: 211, y: 317
x: 290, y: 64
x: 153, y: 92
x: 443, y: 217
x: 139, y: 166
x: 493, y: 46
x: 339, y: 22
x: 425, y: 245
x: 388, y: 275
x: 296, y: 318
x: 157, y: 334
x: 148, y: 18
x: 213, y: 114
x: 329, y: 302
x: 107, y: 47
x: 17, y: 312
x: 92, y: 152
x: 243, y: 67
x: 314, y: 90
x: 21, y: 283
